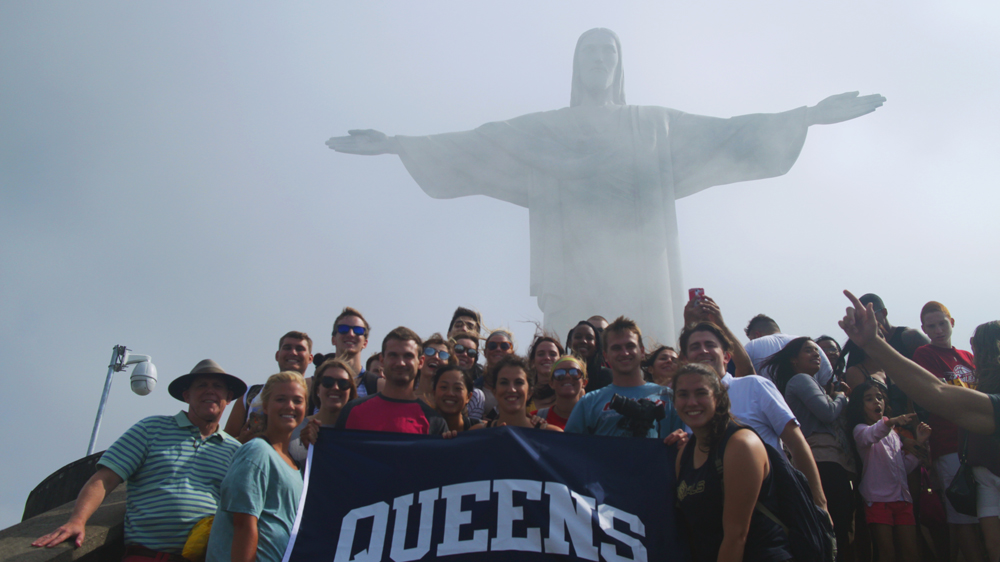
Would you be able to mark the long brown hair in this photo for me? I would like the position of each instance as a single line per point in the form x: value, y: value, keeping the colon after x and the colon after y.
x: 717, y: 425
x: 986, y: 347
x: 317, y: 380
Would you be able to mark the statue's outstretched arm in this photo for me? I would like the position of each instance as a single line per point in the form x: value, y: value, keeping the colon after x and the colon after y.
x: 364, y: 141
x: 842, y: 107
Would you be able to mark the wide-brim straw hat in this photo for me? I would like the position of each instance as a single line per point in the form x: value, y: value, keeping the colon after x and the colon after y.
x: 205, y: 367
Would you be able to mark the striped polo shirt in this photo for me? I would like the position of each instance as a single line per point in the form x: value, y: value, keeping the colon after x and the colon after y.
x: 173, y: 478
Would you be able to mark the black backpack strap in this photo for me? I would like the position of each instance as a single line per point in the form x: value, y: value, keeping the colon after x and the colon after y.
x: 720, y: 449
x: 720, y: 455
x: 770, y: 515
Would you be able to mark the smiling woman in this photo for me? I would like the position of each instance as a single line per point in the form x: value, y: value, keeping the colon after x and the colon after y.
x: 513, y: 387
x: 543, y: 353
x: 569, y: 377
x: 437, y: 352
x: 334, y: 385
x: 452, y: 389
x: 723, y: 526
x: 819, y: 415
x: 262, y: 474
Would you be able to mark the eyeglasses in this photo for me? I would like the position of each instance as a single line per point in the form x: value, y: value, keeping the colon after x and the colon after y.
x: 344, y: 328
x: 431, y: 352
x: 329, y: 382
x: 560, y: 375
x: 504, y: 345
x: 470, y: 351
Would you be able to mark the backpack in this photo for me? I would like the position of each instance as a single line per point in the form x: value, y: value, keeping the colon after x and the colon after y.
x: 809, y: 530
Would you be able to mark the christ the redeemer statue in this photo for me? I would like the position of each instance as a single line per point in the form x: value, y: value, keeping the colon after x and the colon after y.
x: 599, y: 179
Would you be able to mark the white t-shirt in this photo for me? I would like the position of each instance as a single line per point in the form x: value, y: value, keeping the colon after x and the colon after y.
x: 766, y: 346
x: 757, y: 403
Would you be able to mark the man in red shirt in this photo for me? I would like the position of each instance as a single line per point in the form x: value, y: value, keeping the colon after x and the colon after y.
x: 395, y: 408
x: 957, y: 367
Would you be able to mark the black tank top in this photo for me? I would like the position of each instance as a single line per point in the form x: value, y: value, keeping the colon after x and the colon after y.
x: 700, y: 501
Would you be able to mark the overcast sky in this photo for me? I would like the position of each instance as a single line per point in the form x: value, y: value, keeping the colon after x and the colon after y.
x: 164, y: 182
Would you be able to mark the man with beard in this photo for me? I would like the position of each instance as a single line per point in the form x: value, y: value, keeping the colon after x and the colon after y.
x: 395, y: 408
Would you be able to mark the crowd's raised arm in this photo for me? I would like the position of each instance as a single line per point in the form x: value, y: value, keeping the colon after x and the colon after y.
x: 780, y: 421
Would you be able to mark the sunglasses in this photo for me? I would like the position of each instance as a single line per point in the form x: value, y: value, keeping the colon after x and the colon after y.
x: 431, y: 352
x: 470, y: 351
x: 504, y: 345
x: 329, y: 382
x: 560, y: 375
x: 344, y: 328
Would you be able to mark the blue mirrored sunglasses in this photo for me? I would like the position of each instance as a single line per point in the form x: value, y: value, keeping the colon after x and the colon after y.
x: 344, y: 328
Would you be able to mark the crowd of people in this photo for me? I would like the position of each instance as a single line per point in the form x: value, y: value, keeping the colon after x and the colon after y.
x: 864, y: 428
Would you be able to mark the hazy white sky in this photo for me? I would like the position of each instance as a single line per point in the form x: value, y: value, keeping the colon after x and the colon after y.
x: 164, y: 183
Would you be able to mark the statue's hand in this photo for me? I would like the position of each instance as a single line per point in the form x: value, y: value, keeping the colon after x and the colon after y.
x: 843, y: 107
x: 364, y: 141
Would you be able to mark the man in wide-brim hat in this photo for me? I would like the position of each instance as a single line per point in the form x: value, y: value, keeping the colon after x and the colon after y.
x: 206, y: 367
x: 173, y: 465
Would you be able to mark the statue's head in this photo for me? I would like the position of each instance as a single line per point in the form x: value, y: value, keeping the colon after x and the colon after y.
x: 597, y: 65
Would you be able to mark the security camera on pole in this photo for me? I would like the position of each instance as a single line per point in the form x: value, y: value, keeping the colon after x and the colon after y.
x: 143, y: 381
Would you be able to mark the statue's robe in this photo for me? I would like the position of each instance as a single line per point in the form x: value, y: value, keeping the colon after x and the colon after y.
x: 600, y: 184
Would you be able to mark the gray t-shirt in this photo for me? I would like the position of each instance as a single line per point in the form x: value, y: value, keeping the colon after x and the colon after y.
x: 812, y: 406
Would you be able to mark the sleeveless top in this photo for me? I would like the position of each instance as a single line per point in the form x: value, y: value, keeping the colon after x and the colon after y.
x: 700, y: 501
x: 870, y: 379
x: 895, y: 341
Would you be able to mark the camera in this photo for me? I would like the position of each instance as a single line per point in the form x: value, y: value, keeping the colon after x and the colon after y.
x: 638, y: 416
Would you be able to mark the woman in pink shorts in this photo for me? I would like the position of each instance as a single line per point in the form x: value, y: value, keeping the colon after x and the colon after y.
x: 888, y: 505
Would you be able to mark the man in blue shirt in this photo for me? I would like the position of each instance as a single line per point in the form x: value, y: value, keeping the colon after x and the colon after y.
x: 624, y: 352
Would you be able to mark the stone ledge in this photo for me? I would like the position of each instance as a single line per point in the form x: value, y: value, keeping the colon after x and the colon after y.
x: 104, y: 537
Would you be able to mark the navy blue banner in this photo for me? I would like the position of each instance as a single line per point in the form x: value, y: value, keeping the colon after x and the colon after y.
x: 494, y: 494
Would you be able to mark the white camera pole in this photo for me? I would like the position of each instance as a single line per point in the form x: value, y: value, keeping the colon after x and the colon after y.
x: 143, y: 382
x: 118, y: 355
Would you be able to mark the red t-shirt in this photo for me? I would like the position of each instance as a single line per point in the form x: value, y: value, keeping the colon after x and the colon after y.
x: 552, y: 418
x: 378, y: 413
x: 555, y: 419
x: 953, y: 366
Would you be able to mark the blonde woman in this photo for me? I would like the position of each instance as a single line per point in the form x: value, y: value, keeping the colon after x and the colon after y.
x: 260, y: 493
x: 568, y: 379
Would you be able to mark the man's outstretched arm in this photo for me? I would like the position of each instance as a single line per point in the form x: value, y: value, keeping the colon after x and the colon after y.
x: 969, y: 409
x: 91, y: 495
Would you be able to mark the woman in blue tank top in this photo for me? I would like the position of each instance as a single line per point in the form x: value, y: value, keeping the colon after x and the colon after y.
x: 722, y: 526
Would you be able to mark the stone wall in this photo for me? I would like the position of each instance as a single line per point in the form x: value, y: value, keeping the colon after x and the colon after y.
x: 104, y: 536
